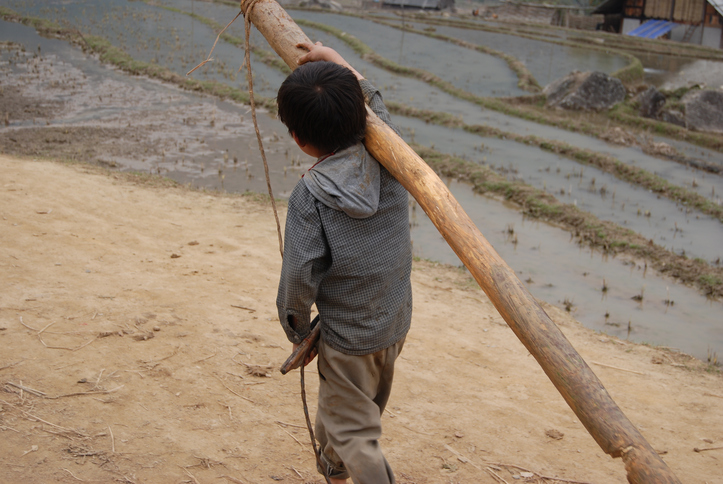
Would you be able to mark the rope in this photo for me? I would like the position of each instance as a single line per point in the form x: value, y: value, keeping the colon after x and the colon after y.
x: 247, y: 57
x: 246, y: 9
x: 317, y: 452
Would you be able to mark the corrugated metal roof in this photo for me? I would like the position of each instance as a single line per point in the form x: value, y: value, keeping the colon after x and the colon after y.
x: 652, y: 29
x: 718, y: 5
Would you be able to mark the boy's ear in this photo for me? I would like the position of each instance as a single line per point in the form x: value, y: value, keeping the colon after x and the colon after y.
x: 298, y: 141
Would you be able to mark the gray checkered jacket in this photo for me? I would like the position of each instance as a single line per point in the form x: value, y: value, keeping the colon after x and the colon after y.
x: 353, y: 260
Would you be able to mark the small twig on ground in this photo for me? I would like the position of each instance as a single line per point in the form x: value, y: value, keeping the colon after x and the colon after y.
x: 284, y: 424
x: 30, y: 416
x: 243, y: 307
x: 208, y: 357
x: 297, y: 472
x: 190, y: 475
x: 38, y: 393
x: 461, y: 457
x: 292, y: 436
x: 541, y: 476
x: 494, y: 475
x: 706, y: 393
x: 618, y: 368
x: 65, y: 347
x: 98, y: 380
x: 698, y: 449
x: 232, y: 479
x: 230, y: 417
x: 112, y: 440
x: 415, y: 430
x: 21, y: 322
x: 11, y: 365
x: 46, y: 327
x: 175, y: 352
x: 74, y: 476
x: 227, y: 388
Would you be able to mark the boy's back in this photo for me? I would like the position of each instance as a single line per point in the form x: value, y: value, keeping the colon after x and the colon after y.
x: 348, y: 250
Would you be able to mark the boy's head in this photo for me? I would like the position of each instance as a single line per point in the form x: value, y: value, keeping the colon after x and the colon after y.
x: 322, y: 105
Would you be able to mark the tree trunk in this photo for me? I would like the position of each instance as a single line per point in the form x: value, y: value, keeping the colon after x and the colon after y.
x: 578, y: 385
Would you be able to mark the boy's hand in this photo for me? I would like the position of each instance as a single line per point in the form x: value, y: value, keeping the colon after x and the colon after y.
x: 310, y: 357
x: 317, y: 52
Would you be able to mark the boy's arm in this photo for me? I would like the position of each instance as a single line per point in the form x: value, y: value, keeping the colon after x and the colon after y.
x: 318, y: 52
x: 306, y: 259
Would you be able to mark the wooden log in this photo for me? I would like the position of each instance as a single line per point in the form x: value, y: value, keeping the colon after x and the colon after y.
x: 572, y: 377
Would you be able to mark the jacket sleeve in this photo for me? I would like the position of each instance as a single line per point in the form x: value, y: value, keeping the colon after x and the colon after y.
x: 376, y: 103
x: 306, y: 260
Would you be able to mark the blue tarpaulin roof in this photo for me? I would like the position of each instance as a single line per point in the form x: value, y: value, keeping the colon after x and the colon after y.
x: 652, y: 29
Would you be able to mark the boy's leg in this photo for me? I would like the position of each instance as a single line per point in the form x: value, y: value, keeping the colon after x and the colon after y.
x: 353, y: 391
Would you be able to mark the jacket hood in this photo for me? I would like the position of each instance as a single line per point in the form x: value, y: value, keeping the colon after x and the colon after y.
x: 347, y: 181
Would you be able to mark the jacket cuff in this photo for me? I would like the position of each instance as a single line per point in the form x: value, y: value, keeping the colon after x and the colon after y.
x: 368, y: 90
x: 302, y: 330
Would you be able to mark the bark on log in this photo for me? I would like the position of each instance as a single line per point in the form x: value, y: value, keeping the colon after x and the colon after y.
x: 572, y: 377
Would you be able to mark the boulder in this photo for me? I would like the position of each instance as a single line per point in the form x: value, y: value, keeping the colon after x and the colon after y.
x: 585, y: 91
x: 672, y: 116
x: 704, y: 110
x: 651, y: 101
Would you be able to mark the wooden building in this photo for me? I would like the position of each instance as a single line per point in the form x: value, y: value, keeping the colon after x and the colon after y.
x: 419, y: 4
x: 695, y: 21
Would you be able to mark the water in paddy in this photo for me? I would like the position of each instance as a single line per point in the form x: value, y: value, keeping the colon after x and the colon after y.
x: 546, y: 61
x: 475, y: 72
x: 599, y: 193
x: 693, y: 323
x: 672, y: 72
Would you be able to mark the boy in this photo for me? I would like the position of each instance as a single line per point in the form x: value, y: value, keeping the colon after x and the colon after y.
x: 347, y: 250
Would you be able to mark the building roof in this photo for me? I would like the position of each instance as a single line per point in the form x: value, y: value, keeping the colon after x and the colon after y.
x: 652, y: 29
x: 616, y: 6
x: 718, y: 5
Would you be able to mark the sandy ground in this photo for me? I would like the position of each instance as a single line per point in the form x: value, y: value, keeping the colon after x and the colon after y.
x: 133, y: 314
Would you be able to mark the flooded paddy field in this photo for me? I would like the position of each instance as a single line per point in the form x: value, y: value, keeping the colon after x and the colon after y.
x: 210, y: 143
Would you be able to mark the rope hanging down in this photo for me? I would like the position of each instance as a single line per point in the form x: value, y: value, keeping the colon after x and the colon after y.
x: 247, y: 57
x: 247, y: 62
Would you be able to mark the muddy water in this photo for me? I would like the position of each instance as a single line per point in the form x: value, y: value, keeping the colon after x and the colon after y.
x: 192, y: 139
x: 193, y: 149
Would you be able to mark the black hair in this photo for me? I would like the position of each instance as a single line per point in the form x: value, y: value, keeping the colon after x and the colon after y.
x: 323, y: 105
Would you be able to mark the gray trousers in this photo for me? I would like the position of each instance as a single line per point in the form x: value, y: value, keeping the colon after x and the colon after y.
x: 353, y: 391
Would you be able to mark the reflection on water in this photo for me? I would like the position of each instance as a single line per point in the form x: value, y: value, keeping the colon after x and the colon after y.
x: 672, y: 72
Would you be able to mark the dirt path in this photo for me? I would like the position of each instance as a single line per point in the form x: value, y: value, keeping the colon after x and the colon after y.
x: 149, y: 303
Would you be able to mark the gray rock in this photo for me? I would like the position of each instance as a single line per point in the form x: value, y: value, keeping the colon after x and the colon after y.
x: 585, y: 91
x: 704, y: 110
x: 651, y: 102
x: 673, y: 117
